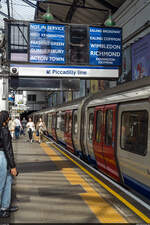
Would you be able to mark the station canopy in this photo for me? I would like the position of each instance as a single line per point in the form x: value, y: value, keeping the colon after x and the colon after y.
x: 78, y: 11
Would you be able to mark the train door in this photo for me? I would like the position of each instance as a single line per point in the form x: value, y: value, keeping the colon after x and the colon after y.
x: 109, y: 144
x: 89, y: 135
x: 49, y: 126
x: 75, y: 130
x: 104, y: 140
x: 98, y: 138
x: 68, y: 131
x: 54, y: 116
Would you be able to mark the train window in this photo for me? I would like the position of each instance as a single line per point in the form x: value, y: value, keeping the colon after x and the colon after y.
x: 134, y: 131
x: 50, y: 121
x: 62, y: 123
x: 75, y: 123
x: 99, y: 123
x: 70, y: 123
x: 53, y: 121
x: 67, y: 123
x: 58, y: 121
x: 108, y: 127
x: 90, y: 129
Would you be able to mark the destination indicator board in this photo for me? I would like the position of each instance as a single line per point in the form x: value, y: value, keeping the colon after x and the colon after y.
x: 47, y: 43
x: 105, y: 46
x: 64, y: 50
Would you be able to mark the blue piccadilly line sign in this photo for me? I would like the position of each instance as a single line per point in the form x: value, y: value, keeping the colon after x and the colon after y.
x: 105, y: 46
x: 47, y: 43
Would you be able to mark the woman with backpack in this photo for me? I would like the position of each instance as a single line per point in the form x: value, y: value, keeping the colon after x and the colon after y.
x: 7, y: 166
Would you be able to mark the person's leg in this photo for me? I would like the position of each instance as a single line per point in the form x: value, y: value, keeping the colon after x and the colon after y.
x: 3, y: 184
x: 3, y: 173
x: 6, y: 197
x: 29, y: 133
x: 39, y: 136
x: 16, y: 132
x: 23, y: 129
x: 31, y: 136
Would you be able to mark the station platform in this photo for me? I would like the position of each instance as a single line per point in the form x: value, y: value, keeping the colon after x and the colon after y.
x: 51, y: 188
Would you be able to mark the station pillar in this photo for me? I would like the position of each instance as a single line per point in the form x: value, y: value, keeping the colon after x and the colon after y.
x: 4, y: 92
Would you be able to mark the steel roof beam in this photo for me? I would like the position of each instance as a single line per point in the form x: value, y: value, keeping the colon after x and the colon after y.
x: 72, y: 11
x: 107, y: 5
x: 30, y: 3
x: 4, y: 14
x: 79, y: 6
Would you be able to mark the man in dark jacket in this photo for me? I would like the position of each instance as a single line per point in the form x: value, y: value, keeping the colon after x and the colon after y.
x: 7, y: 166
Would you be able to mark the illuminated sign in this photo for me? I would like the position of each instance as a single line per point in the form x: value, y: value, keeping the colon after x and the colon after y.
x: 65, y: 71
x: 105, y: 46
x: 64, y: 50
x: 47, y: 43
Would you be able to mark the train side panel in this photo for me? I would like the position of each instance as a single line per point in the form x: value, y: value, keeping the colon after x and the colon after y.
x: 60, y: 127
x: 68, y: 131
x: 88, y: 136
x: 133, y: 145
x: 49, y: 124
x: 104, y: 140
x: 53, y: 128
x: 75, y: 131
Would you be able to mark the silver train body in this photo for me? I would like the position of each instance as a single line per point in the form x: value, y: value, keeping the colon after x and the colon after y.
x: 110, y: 130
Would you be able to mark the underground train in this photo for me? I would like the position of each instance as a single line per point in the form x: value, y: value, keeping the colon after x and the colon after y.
x: 110, y: 130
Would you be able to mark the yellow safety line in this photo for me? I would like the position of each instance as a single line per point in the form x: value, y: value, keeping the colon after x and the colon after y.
x: 128, y: 204
x: 102, y: 209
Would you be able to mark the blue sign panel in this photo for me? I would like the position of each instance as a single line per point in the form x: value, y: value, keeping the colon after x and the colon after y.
x: 105, y: 46
x: 47, y: 43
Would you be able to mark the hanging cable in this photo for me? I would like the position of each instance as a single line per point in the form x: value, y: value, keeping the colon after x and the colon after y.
x: 11, y: 8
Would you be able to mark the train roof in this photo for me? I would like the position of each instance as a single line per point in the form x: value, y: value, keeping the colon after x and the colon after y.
x: 71, y: 105
x: 133, y: 90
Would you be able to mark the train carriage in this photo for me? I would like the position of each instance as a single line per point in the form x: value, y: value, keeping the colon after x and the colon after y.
x: 110, y: 130
x: 68, y: 126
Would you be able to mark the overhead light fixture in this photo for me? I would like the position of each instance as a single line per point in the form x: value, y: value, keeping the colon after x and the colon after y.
x: 109, y: 22
x: 48, y: 16
x: 0, y: 4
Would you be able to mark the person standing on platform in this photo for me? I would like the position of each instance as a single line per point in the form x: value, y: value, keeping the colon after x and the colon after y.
x: 40, y: 128
x: 7, y: 166
x: 24, y: 123
x: 30, y: 128
x: 11, y: 126
x: 18, y: 126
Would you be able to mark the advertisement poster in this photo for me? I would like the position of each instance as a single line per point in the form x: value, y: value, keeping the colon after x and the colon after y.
x: 47, y: 43
x: 141, y: 58
x: 105, y: 46
x: 126, y: 66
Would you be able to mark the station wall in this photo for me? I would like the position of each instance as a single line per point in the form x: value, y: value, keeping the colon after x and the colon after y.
x: 132, y: 15
x: 134, y: 18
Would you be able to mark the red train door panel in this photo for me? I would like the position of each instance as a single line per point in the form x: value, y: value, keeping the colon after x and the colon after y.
x: 98, y: 137
x: 54, y: 126
x: 109, y: 143
x: 104, y: 140
x: 68, y: 131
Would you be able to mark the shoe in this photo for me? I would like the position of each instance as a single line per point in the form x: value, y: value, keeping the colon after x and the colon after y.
x: 12, y: 209
x: 4, y: 214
